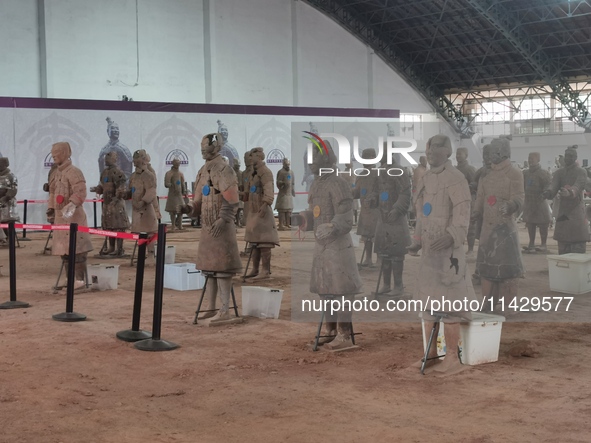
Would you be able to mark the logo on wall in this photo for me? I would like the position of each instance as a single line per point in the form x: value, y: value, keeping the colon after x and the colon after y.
x: 177, y: 153
x: 275, y: 156
x: 48, y: 162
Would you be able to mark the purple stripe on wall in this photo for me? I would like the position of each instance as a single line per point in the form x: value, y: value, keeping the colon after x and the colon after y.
x: 104, y: 105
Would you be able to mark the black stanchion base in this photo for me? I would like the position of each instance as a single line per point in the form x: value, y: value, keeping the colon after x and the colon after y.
x: 14, y: 305
x: 131, y: 335
x: 69, y: 316
x: 155, y: 345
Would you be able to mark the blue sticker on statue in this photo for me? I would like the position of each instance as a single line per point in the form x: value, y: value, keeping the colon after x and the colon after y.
x: 289, y: 177
x: 132, y: 190
x: 530, y: 182
x: 206, y: 190
x: 178, y: 182
x: 363, y: 192
x: 106, y: 179
x: 384, y: 196
x: 253, y: 188
x: 427, y: 208
x: 245, y: 179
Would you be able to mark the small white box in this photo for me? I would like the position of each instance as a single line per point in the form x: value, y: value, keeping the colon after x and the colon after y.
x: 480, y: 338
x: 570, y: 273
x: 183, y: 277
x: 169, y: 254
x: 103, y: 277
x: 261, y: 302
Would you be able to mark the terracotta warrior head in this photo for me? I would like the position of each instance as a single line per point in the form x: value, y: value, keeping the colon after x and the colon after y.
x: 140, y: 159
x: 321, y: 160
x: 257, y: 156
x: 211, y: 145
x: 570, y: 155
x: 111, y: 158
x: 112, y: 129
x: 4, y: 164
x: 462, y: 154
x: 438, y: 150
x: 533, y: 159
x: 423, y: 160
x: 500, y: 150
x: 176, y: 163
x: 236, y: 164
x: 247, y: 159
x: 286, y: 164
x: 61, y: 152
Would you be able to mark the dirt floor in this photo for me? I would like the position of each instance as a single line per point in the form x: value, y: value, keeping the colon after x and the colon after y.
x: 259, y: 381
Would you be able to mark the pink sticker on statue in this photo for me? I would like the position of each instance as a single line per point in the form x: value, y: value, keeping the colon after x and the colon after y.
x: 59, y: 199
x: 491, y: 200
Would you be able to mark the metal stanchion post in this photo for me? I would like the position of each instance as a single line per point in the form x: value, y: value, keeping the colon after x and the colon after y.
x: 155, y: 343
x: 94, y: 209
x: 70, y: 315
x: 13, y: 303
x: 135, y: 333
x: 24, y: 237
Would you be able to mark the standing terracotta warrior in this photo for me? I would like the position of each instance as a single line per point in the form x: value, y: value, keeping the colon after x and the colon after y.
x: 469, y: 172
x: 216, y: 201
x: 155, y: 202
x: 8, y: 190
x: 536, y: 212
x: 480, y: 174
x: 392, y: 234
x: 498, y: 203
x: 124, y: 161
x: 67, y: 192
x: 260, y: 224
x: 243, y: 186
x: 568, y: 183
x: 284, y: 203
x: 443, y: 215
x: 366, y: 190
x: 112, y: 186
x: 240, y: 211
x: 142, y: 191
x: 334, y: 267
x: 174, y: 181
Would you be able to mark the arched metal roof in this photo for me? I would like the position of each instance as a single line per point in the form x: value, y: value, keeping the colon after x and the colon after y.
x: 444, y: 46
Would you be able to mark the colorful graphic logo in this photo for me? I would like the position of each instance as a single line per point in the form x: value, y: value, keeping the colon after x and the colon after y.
x: 317, y: 141
x: 275, y: 156
x: 48, y: 162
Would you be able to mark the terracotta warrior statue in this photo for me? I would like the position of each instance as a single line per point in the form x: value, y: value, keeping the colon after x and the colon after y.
x: 366, y: 190
x: 469, y: 172
x: 8, y: 190
x: 113, y: 187
x: 174, y: 181
x: 260, y: 224
x: 499, y: 201
x: 284, y: 203
x: 155, y: 202
x: 124, y: 161
x: 67, y: 192
x: 480, y: 174
x: 443, y: 215
x: 216, y: 201
x: 571, y: 231
x: 536, y: 211
x: 240, y: 211
x: 334, y: 267
x: 142, y: 191
x: 392, y: 234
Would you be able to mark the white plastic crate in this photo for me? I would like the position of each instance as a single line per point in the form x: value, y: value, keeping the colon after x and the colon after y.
x: 570, y: 273
x: 183, y: 277
x: 169, y: 254
x: 261, y: 302
x: 480, y: 338
x: 103, y: 277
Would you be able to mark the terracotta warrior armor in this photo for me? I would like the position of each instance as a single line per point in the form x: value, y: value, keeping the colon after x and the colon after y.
x: 216, y: 201
x: 334, y: 267
x: 366, y: 190
x: 284, y: 203
x: 8, y: 190
x: 568, y: 183
x: 174, y: 181
x: 67, y: 192
x: 113, y: 187
x: 260, y: 224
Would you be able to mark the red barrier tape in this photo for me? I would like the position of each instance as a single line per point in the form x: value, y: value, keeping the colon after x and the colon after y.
x: 93, y: 231
x: 164, y: 197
